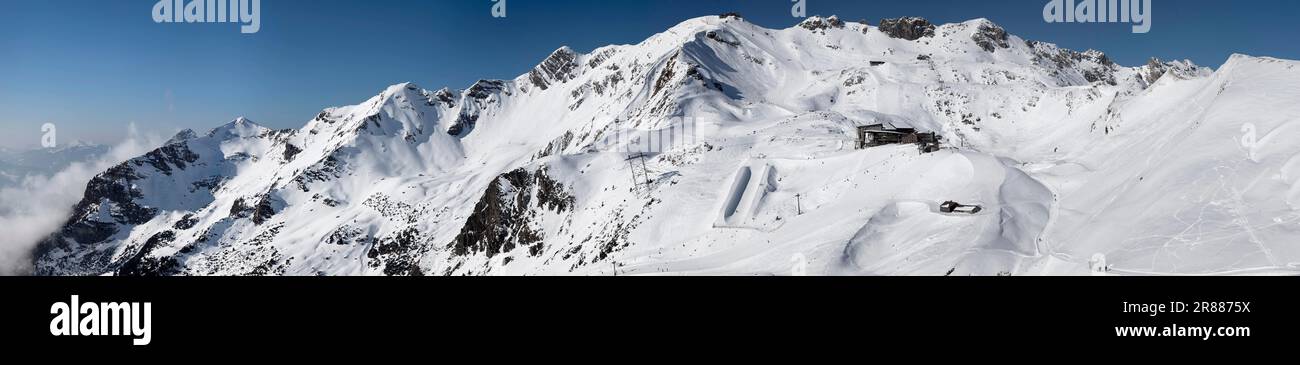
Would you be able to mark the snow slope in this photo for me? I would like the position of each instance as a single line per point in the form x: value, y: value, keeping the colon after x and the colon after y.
x: 1070, y: 154
x: 1198, y: 178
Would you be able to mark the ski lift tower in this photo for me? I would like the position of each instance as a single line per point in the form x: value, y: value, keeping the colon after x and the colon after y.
x: 640, y: 173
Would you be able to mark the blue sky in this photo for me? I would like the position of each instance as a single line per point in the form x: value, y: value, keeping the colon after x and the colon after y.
x: 94, y: 66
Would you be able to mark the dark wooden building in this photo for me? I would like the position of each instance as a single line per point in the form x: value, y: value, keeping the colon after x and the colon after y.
x: 879, y: 135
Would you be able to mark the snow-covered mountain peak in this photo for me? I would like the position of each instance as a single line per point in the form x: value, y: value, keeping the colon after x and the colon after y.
x: 396, y: 89
x: 691, y: 29
x: 182, y: 136
x: 1238, y: 60
x: 412, y: 108
x: 80, y: 144
x: 975, y: 23
x: 240, y: 127
x: 401, y: 95
x: 698, y: 24
x: 402, y: 90
x: 74, y: 145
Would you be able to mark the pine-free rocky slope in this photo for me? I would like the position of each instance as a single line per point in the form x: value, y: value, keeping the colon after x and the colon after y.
x: 1074, y: 158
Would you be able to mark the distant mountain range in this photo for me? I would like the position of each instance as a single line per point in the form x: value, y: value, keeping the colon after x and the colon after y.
x: 15, y: 165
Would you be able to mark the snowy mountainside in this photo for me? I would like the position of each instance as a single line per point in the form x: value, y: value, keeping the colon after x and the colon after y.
x: 1197, y: 177
x: 533, y: 176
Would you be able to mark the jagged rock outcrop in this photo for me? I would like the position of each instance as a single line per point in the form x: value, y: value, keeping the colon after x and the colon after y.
x: 484, y: 89
x: 170, y: 156
x: 141, y: 264
x: 446, y: 97
x: 817, y: 23
x: 990, y: 37
x: 723, y: 36
x: 260, y: 209
x: 475, y: 99
x: 505, y: 217
x: 909, y: 28
x: 1091, y: 65
x: 398, y: 255
x: 1156, y: 68
x: 557, y: 68
x: 182, y: 136
x: 290, y: 151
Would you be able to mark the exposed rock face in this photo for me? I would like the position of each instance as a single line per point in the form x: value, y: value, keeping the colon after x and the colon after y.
x: 557, y: 68
x: 291, y: 151
x: 169, y: 156
x: 398, y: 255
x: 463, y: 124
x: 504, y: 218
x: 1156, y: 69
x: 114, y: 187
x: 183, y: 136
x: 446, y: 97
x: 1092, y: 65
x: 909, y: 28
x: 835, y: 22
x: 990, y: 37
x: 187, y: 222
x: 817, y: 23
x: 485, y: 88
x: 261, y: 210
x: 1104, y: 73
x: 141, y: 264
x: 722, y: 36
x: 472, y: 103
